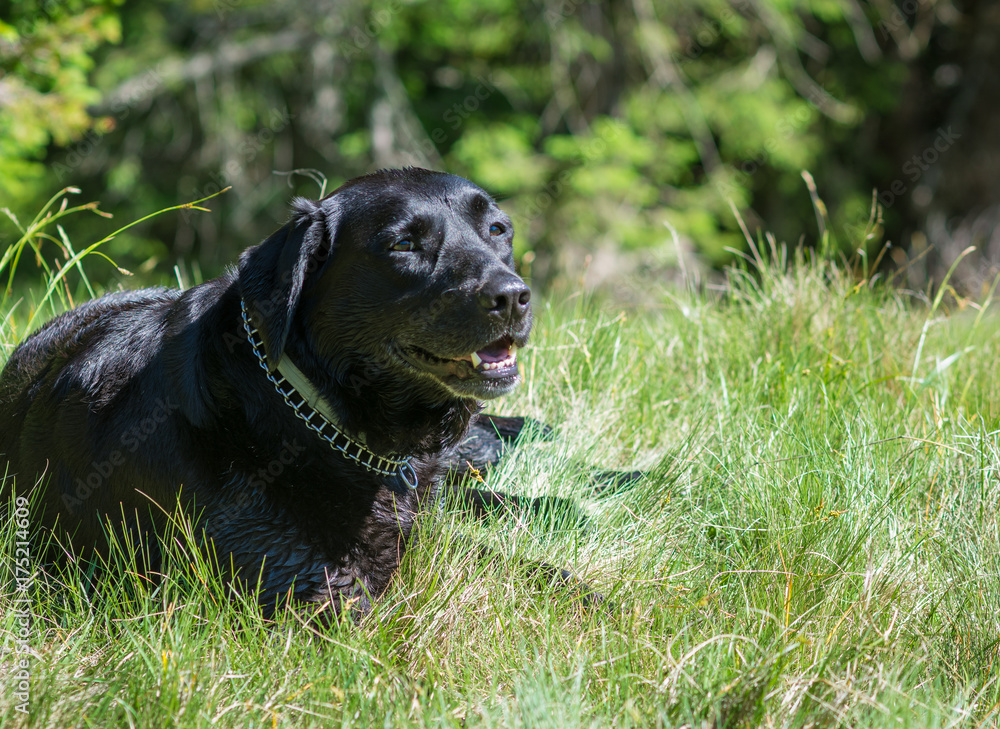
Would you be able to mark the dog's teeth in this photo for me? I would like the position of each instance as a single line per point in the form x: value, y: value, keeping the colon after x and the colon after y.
x: 480, y: 364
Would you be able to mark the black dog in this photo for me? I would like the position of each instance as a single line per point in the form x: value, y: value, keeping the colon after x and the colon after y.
x: 301, y: 407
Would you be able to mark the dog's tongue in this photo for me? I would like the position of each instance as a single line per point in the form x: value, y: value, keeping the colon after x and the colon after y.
x: 499, y: 354
x: 496, y: 352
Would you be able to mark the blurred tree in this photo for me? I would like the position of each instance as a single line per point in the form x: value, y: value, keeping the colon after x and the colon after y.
x: 45, y: 87
x: 600, y: 123
x: 939, y: 148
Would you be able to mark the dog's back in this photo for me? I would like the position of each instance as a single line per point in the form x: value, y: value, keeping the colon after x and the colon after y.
x: 54, y: 395
x: 69, y: 335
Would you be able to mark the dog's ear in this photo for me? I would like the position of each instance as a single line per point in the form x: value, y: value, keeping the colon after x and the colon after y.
x: 273, y: 273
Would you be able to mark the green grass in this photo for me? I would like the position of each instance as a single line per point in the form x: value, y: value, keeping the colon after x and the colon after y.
x: 817, y: 544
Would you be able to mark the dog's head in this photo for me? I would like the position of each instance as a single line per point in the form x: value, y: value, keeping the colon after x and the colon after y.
x: 402, y: 273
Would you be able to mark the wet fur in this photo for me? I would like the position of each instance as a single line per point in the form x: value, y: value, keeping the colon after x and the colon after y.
x: 137, y: 402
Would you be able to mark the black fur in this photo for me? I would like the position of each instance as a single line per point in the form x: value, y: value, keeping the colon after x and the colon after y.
x: 137, y: 401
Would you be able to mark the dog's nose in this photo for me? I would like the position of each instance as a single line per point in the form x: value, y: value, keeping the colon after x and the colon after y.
x: 507, y: 297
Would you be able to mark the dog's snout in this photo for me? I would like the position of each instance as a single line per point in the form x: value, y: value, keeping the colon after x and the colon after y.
x: 506, y: 297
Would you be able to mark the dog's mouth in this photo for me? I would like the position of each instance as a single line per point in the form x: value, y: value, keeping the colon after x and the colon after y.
x: 484, y: 374
x: 497, y: 360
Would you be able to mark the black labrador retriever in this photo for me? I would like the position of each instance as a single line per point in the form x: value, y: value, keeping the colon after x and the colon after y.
x: 301, y: 407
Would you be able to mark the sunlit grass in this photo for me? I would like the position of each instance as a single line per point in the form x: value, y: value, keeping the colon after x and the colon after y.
x: 817, y: 544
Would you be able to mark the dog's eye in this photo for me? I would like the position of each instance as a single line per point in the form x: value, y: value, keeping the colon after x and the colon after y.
x: 496, y: 229
x: 405, y: 245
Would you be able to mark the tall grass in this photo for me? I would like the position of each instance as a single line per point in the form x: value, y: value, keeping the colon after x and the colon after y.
x: 53, y: 253
x: 816, y: 544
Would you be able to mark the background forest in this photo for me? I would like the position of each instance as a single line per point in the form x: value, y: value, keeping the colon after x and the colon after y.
x: 604, y: 125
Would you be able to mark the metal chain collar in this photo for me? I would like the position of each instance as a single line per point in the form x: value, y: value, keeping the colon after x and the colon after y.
x: 336, y: 437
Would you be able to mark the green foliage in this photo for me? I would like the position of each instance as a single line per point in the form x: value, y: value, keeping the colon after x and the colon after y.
x: 598, y: 122
x: 46, y: 56
x: 45, y: 241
